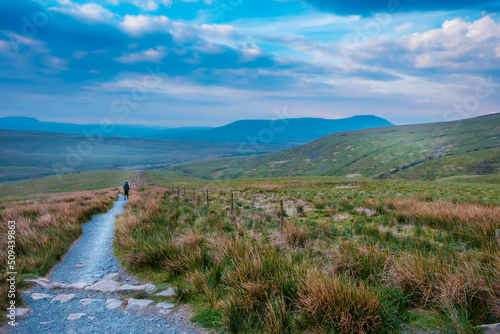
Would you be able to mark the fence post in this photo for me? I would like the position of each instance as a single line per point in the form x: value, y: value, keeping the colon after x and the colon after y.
x: 194, y: 197
x: 497, y: 232
x: 184, y: 190
x: 232, y: 202
x: 281, y: 222
x: 208, y: 201
x: 178, y: 191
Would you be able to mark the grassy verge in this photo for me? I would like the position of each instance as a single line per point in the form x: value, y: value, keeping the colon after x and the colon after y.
x: 45, y: 227
x: 365, y: 257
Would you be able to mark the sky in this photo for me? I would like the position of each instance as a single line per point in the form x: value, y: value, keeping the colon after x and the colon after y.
x: 175, y: 63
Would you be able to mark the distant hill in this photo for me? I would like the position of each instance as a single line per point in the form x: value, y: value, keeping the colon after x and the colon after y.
x: 426, y: 151
x: 30, y: 155
x: 131, y: 131
x: 290, y: 131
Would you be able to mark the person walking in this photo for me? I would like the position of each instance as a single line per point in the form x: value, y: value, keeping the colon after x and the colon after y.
x: 126, y: 188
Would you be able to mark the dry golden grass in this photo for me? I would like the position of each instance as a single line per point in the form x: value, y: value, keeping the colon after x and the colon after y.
x: 339, y: 303
x: 190, y: 239
x: 293, y: 236
x: 47, y: 225
x: 432, y: 281
x: 137, y: 217
x: 479, y: 219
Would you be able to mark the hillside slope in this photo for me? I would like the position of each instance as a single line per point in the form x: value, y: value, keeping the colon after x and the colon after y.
x: 425, y: 151
x: 28, y: 155
x: 290, y: 131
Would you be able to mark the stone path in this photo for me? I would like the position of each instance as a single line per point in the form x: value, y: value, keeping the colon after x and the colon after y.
x: 87, y: 292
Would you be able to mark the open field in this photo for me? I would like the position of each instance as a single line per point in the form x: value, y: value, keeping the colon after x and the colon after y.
x: 412, y: 152
x: 45, y: 227
x: 351, y: 257
x: 66, y: 183
x: 30, y: 155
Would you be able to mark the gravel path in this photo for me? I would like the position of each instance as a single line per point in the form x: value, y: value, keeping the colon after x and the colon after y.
x: 91, y: 257
x: 89, y: 260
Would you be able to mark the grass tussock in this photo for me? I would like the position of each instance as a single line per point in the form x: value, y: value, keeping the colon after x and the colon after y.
x: 431, y: 281
x: 294, y: 236
x: 337, y: 303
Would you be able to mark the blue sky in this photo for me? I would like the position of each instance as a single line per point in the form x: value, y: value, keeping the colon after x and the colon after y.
x: 210, y: 62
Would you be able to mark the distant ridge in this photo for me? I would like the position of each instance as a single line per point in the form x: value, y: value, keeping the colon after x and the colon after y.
x: 289, y: 131
x: 131, y: 131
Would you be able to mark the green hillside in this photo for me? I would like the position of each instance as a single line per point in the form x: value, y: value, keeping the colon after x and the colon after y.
x: 31, y: 155
x: 425, y: 151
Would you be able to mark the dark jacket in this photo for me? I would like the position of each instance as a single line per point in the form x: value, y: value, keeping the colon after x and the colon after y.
x: 126, y: 187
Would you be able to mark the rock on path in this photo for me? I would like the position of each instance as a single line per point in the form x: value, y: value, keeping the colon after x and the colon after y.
x: 112, y: 304
x: 38, y: 296
x: 104, y: 286
x: 64, y: 298
x: 148, y: 288
x: 166, y: 293
x: 138, y: 304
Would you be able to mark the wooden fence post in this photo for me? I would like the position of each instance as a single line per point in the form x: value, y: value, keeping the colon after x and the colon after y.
x: 208, y: 201
x: 178, y: 191
x: 232, y: 202
x: 194, y: 197
x: 281, y: 222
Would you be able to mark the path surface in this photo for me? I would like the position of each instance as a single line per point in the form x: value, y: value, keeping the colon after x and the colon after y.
x: 110, y: 310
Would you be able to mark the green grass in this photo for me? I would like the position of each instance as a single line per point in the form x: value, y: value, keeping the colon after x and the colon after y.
x: 492, y: 179
x: 403, y: 271
x: 66, y: 183
x: 468, y: 147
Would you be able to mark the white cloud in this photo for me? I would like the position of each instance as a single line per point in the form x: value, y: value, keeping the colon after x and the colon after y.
x: 150, y: 55
x: 251, y: 52
x: 90, y: 13
x: 218, y: 30
x: 458, y: 46
x: 147, y: 5
x: 140, y: 25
